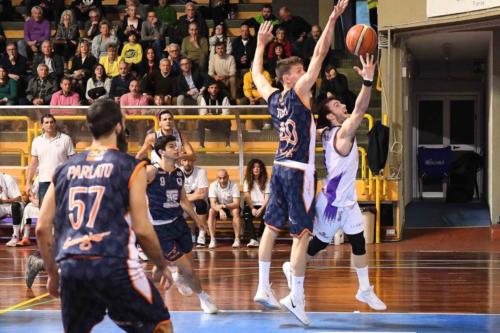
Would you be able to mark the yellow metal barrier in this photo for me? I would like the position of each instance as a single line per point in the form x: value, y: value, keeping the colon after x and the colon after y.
x: 29, y: 126
x: 23, y: 156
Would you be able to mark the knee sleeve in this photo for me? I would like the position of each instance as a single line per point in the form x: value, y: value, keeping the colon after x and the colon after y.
x: 17, y: 213
x: 315, y: 245
x: 358, y: 244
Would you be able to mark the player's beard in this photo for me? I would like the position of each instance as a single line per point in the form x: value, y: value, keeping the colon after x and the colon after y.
x: 122, y: 141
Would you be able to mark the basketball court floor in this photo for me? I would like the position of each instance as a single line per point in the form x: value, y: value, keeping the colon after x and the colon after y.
x: 436, y: 280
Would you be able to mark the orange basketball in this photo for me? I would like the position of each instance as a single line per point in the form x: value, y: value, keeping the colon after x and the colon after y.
x: 361, y: 39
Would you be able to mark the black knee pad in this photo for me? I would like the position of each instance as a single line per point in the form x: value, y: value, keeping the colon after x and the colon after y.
x: 315, y: 245
x: 358, y: 244
x: 17, y: 213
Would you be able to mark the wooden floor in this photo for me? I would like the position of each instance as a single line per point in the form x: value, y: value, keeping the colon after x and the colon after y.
x: 431, y: 271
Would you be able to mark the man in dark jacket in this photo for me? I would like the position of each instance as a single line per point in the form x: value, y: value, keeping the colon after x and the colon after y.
x: 54, y: 62
x: 244, y: 49
x: 162, y: 82
x: 190, y: 84
x: 185, y: 20
x: 40, y: 88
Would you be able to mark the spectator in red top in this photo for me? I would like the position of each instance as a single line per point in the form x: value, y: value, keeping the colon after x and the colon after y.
x: 280, y: 39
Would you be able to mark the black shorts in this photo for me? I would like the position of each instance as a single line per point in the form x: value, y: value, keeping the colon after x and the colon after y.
x: 227, y: 211
x: 89, y: 287
x: 175, y: 239
x: 200, y: 207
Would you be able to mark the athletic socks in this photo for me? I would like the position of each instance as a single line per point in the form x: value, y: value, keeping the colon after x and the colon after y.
x: 264, y: 268
x: 364, y: 281
x: 26, y: 231
x: 298, y: 287
x: 16, y: 231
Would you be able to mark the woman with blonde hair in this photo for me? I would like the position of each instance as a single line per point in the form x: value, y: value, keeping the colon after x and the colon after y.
x: 67, y: 35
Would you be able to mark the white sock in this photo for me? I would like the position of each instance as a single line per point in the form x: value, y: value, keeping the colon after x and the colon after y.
x: 26, y: 231
x: 202, y: 233
x: 298, y: 287
x: 364, y: 280
x: 264, y: 268
x: 16, y: 231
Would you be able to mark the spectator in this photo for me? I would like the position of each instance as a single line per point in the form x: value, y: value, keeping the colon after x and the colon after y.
x: 224, y: 198
x: 30, y: 211
x: 190, y: 84
x: 161, y: 82
x: 279, y: 54
x: 65, y: 97
x: 82, y: 66
x: 196, y: 187
x: 256, y: 190
x: 132, y: 51
x: 54, y: 62
x: 41, y: 87
x: 220, y: 35
x: 98, y: 86
x: 282, y: 40
x: 310, y: 43
x: 153, y: 33
x: 174, y: 55
x: 10, y: 205
x: 83, y: 8
x: 131, y: 23
x: 195, y: 47
x: 191, y: 16
x: 67, y: 36
x: 92, y: 24
x: 244, y: 49
x: 266, y: 15
x: 3, y: 39
x: 120, y: 84
x: 213, y: 96
x: 15, y: 64
x: 252, y: 95
x: 8, y: 88
x: 336, y: 85
x: 52, y: 9
x: 111, y: 61
x: 296, y: 27
x: 166, y: 13
x: 133, y: 98
x: 100, y: 42
x: 222, y: 69
x: 36, y: 30
x: 148, y: 64
x: 142, y: 10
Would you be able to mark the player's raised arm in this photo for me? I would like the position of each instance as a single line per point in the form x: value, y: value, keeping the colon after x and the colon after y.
x: 305, y: 83
x: 264, y: 36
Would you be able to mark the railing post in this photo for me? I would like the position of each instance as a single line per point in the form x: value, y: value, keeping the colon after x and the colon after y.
x: 241, y: 156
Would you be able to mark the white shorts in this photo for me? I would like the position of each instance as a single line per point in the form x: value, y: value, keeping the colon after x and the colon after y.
x: 327, y: 223
x: 5, y: 209
x: 30, y: 212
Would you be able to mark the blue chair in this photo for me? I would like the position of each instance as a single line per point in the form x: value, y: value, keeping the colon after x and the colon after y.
x: 433, y: 166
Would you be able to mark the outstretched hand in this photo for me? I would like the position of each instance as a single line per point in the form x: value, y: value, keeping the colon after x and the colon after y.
x: 339, y: 9
x: 368, y: 71
x: 265, y: 34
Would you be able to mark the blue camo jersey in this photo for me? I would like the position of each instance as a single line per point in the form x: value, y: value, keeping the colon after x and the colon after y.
x: 164, y: 194
x: 295, y: 125
x: 92, y: 198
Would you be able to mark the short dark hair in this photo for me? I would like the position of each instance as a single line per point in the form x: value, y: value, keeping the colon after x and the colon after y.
x: 165, y: 112
x: 323, y: 110
x: 267, y: 6
x: 47, y: 115
x: 162, y: 141
x: 103, y: 116
x: 220, y: 43
x: 285, y: 65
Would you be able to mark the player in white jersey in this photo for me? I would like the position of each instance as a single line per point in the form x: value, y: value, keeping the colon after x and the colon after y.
x: 337, y: 206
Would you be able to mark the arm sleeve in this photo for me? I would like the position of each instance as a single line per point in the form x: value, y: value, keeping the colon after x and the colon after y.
x: 268, y: 187
x: 34, y: 150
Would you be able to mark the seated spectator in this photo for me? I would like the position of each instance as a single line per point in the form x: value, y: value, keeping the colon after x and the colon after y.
x: 279, y: 54
x: 54, y: 62
x: 132, y: 50
x: 82, y: 66
x: 224, y: 198
x: 148, y: 64
x: 220, y: 10
x: 98, y: 86
x: 65, y: 97
x: 41, y: 87
x: 100, y: 42
x: 190, y: 84
x: 120, y: 84
x: 220, y: 35
x: 196, y: 187
x: 336, y: 85
x: 131, y: 23
x: 3, y: 39
x: 52, y: 9
x: 296, y: 27
x: 214, y: 96
x: 142, y: 10
x: 166, y: 13
x: 252, y: 96
x: 195, y: 47
x: 83, y: 8
x: 222, y: 69
x: 244, y: 49
x: 14, y: 63
x: 111, y: 61
x: 174, y: 55
x: 191, y: 16
x: 10, y: 205
x: 161, y: 82
x: 134, y: 98
x: 256, y: 190
x: 36, y: 30
x: 8, y: 88
x: 310, y: 43
x: 30, y: 212
x: 280, y: 39
x: 265, y: 15
x: 153, y: 34
x: 67, y: 36
x: 91, y: 26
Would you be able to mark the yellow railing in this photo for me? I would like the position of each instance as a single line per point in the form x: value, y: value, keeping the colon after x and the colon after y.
x: 23, y: 160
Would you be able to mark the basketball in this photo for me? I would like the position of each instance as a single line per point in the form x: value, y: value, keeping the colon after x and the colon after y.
x: 361, y: 39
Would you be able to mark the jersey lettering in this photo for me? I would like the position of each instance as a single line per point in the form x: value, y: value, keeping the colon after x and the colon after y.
x: 79, y: 205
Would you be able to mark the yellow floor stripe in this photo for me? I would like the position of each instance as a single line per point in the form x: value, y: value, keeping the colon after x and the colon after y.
x: 19, y: 305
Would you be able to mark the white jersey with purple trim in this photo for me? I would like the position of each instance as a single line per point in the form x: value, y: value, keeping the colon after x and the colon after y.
x: 340, y: 185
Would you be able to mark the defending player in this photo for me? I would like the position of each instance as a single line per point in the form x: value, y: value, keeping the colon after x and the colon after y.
x: 293, y: 180
x: 167, y: 203
x: 101, y: 209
